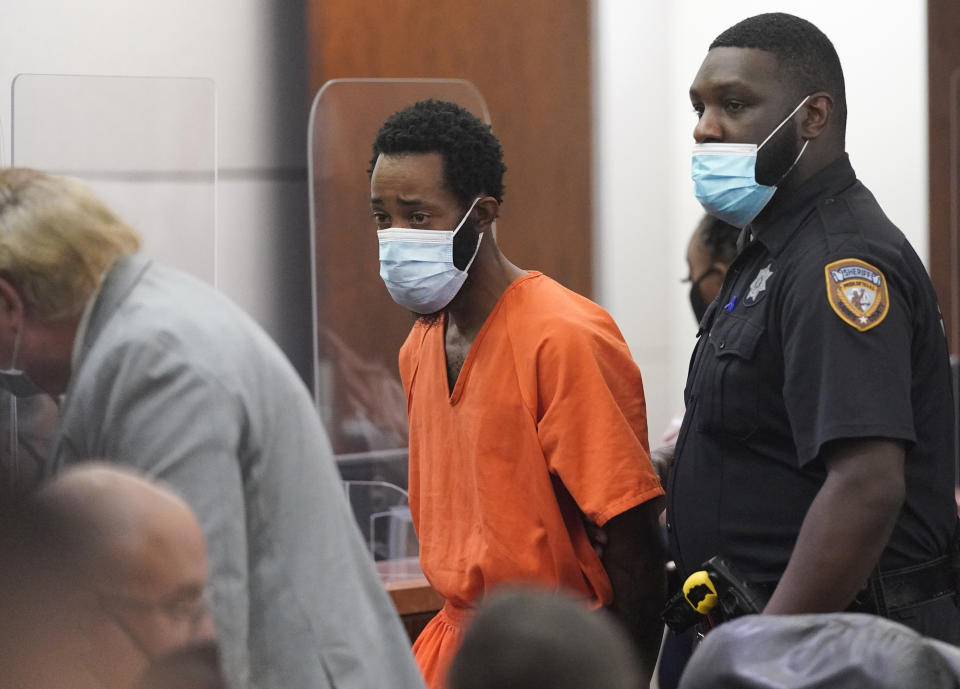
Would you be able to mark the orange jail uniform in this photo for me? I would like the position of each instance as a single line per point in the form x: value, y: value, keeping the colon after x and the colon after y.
x: 546, y: 424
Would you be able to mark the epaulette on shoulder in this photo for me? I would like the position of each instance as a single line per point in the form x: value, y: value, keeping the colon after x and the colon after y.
x: 840, y: 225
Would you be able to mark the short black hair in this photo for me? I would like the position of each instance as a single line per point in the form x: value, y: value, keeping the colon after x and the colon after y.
x: 804, y: 54
x: 472, y: 156
x: 528, y: 639
x: 720, y: 238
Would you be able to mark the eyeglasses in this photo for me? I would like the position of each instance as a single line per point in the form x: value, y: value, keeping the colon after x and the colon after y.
x: 191, y: 611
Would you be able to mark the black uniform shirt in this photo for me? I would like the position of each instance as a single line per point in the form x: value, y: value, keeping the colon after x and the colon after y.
x: 826, y: 327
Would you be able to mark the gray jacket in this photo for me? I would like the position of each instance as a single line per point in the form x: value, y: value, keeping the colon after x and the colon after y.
x: 178, y: 382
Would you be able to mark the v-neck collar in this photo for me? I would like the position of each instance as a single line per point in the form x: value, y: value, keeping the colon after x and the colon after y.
x: 457, y: 392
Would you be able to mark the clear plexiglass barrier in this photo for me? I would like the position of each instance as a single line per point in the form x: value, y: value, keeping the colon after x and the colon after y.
x: 147, y: 146
x: 3, y: 153
x: 358, y: 329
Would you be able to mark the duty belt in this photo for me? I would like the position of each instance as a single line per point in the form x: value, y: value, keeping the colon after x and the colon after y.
x: 888, y: 592
x: 714, y: 594
x: 718, y: 593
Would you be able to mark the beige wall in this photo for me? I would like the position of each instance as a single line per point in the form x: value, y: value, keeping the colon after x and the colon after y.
x: 647, y: 54
x: 255, y: 52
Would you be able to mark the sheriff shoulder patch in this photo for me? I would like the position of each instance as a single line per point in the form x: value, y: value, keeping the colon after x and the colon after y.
x: 857, y: 292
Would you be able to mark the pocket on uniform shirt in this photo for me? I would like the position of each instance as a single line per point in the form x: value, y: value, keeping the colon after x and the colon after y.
x: 731, y: 390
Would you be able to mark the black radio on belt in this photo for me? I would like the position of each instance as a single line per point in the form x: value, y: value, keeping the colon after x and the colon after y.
x: 714, y: 594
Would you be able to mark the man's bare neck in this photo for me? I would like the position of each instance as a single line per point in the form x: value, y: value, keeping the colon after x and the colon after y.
x: 472, y: 306
x: 483, y: 288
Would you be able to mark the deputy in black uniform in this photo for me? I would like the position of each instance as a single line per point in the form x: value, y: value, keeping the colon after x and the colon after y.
x: 816, y: 450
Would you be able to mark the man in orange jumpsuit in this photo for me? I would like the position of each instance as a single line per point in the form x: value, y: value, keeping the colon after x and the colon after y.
x: 527, y: 418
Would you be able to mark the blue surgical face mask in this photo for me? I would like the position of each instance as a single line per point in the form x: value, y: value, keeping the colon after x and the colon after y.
x: 417, y: 266
x: 725, y: 178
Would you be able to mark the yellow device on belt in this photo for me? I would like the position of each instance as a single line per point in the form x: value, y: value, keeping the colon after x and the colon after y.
x: 700, y: 592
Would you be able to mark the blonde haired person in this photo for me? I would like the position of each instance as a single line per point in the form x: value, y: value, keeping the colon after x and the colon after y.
x: 56, y: 240
x: 160, y: 369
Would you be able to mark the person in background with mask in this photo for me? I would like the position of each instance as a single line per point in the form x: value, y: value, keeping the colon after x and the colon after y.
x: 527, y: 414
x: 816, y: 449
x: 710, y: 251
x: 161, y: 372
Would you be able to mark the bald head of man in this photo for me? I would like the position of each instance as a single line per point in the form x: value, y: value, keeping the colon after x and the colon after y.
x: 117, y: 567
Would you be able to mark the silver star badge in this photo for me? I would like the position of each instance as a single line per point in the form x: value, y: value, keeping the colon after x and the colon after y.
x: 759, y: 283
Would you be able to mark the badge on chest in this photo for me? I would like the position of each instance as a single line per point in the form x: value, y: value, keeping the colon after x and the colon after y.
x: 758, y: 287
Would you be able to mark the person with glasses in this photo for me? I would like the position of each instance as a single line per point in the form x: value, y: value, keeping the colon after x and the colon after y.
x: 162, y: 372
x: 109, y: 570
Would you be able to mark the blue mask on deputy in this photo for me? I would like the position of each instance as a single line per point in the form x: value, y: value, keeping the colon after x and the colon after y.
x: 725, y: 178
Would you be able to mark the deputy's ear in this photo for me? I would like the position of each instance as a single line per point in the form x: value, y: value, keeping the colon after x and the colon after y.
x: 816, y: 114
x: 486, y: 211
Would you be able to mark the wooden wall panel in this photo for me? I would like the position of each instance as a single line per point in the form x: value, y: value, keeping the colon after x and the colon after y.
x: 943, y: 28
x: 531, y: 61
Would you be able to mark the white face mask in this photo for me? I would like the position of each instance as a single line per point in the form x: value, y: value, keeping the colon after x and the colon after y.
x: 417, y: 266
